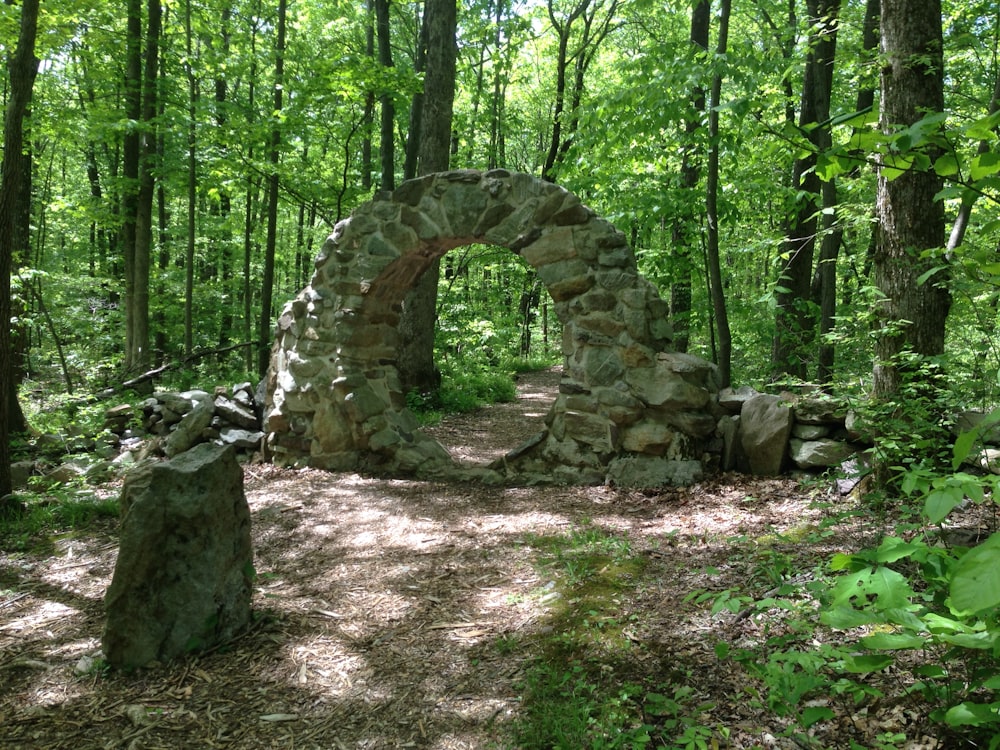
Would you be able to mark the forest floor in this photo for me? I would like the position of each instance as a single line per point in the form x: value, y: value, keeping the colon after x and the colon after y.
x: 412, y: 614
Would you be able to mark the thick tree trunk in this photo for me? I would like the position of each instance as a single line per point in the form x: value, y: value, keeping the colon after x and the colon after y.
x: 912, y: 314
x: 23, y: 67
x: 417, y: 323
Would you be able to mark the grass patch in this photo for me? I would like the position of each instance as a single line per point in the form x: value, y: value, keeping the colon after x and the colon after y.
x: 584, y: 690
x: 30, y: 524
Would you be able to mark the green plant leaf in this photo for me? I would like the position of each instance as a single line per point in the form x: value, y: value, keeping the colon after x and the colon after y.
x: 984, y: 165
x: 941, y: 501
x: 892, y: 641
x: 946, y: 165
x: 813, y: 714
x: 968, y: 713
x: 845, y: 618
x: 975, y: 582
x: 893, y: 548
x: 866, y: 663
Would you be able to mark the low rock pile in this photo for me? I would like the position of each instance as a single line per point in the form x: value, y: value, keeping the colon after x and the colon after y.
x: 179, y: 421
x: 766, y: 434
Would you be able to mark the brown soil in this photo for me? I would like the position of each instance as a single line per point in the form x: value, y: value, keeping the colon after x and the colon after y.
x: 395, y: 613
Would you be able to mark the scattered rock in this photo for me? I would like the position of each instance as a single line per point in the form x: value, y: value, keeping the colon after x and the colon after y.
x: 765, y: 425
x: 182, y: 581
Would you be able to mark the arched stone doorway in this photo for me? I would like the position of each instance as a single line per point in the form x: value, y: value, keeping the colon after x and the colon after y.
x: 629, y: 410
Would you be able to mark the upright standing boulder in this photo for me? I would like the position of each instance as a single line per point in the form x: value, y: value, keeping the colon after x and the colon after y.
x: 765, y: 426
x: 183, y: 578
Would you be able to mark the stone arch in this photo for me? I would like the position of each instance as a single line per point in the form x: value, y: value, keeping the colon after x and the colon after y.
x: 628, y: 410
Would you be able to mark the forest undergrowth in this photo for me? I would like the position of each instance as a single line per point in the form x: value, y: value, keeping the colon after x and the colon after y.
x: 740, y: 612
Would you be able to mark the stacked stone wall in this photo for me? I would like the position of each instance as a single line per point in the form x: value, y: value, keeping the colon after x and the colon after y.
x: 629, y: 410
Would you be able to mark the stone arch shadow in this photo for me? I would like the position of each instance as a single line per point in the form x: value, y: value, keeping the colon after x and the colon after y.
x: 629, y: 410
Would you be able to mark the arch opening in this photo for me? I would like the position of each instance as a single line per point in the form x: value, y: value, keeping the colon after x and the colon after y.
x: 628, y: 411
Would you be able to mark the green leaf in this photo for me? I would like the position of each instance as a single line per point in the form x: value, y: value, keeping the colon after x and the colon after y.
x: 972, y: 714
x: 946, y: 165
x: 892, y: 641
x: 975, y: 582
x: 922, y: 279
x: 984, y: 165
x: 974, y: 641
x: 812, y: 714
x: 941, y: 501
x: 866, y: 663
x: 841, y: 561
x: 893, y: 548
x: 845, y: 618
x: 889, y: 588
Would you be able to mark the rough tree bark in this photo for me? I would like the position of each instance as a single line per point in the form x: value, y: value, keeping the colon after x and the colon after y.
x: 274, y: 158
x: 416, y: 326
x: 911, y: 314
x: 22, y: 67
x: 794, y: 320
x: 711, y: 208
x: 684, y: 231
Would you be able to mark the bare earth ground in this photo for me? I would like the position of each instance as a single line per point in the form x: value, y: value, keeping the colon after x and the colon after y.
x: 396, y: 613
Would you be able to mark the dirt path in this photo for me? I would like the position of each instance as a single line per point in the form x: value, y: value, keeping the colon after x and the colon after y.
x: 391, y: 614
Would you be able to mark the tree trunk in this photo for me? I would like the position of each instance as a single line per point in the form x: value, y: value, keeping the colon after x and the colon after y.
x: 130, y: 167
x: 23, y: 67
x: 192, y: 184
x: 794, y: 320
x: 711, y: 209
x: 274, y: 157
x: 388, y: 130
x: 913, y: 311
x: 683, y: 232
x: 419, y: 317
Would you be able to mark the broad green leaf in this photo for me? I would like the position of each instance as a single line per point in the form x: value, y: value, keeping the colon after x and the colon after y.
x: 941, y: 501
x: 984, y: 165
x: 975, y: 641
x: 865, y: 663
x: 893, y: 548
x: 946, y: 165
x: 845, y: 618
x: 975, y: 582
x: 892, y: 641
x: 982, y: 129
x: 841, y: 561
x: 812, y: 714
x: 972, y: 714
x: 888, y: 588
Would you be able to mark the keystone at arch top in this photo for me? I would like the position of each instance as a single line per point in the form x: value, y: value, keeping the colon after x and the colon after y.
x: 629, y: 410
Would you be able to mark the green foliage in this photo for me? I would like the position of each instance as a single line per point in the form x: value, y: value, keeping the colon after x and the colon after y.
x: 916, y: 605
x: 58, y: 511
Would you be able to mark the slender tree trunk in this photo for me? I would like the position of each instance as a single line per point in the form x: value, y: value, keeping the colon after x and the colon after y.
x: 683, y: 232
x: 139, y: 358
x: 712, y: 210
x: 419, y: 317
x: 274, y: 157
x: 130, y: 169
x: 794, y: 320
x: 369, y: 116
x: 413, y: 137
x: 192, y: 184
x: 913, y: 312
x: 387, y: 141
x: 22, y: 67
